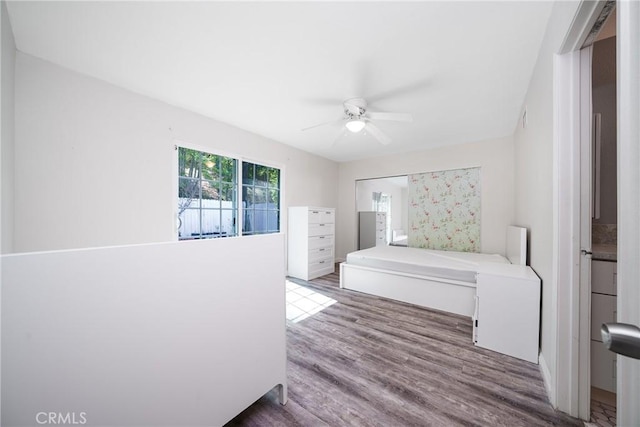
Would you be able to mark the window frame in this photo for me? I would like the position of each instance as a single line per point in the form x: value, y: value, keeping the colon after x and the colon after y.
x: 176, y: 144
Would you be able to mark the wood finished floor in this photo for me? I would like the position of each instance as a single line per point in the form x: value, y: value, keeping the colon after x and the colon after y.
x: 369, y: 361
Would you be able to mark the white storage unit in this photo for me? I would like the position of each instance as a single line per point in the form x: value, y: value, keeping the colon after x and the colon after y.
x: 372, y: 227
x: 311, y: 240
x: 507, y: 314
x: 604, y: 292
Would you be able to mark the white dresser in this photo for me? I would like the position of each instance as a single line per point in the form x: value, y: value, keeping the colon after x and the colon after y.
x: 372, y: 229
x: 311, y: 238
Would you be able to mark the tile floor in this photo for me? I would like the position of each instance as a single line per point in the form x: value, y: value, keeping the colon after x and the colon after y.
x: 603, y: 409
x: 303, y: 302
x: 602, y: 414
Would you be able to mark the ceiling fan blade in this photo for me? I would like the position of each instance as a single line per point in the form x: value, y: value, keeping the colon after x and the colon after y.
x: 323, y: 124
x: 398, y: 117
x: 375, y: 132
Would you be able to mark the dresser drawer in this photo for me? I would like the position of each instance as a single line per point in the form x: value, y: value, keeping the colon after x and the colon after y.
x: 321, y: 265
x: 603, y: 277
x: 320, y: 242
x: 603, y: 367
x: 321, y: 229
x: 319, y: 216
x: 603, y: 310
x: 320, y: 253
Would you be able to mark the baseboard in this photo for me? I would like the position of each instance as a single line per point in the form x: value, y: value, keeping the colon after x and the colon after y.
x: 546, y: 378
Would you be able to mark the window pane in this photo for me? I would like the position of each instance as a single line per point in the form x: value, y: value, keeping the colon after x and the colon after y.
x: 247, y: 195
x: 189, y: 162
x: 260, y: 221
x: 210, y: 222
x: 188, y: 193
x: 262, y: 175
x: 274, y: 178
x: 189, y: 223
x: 228, y: 192
x: 247, y: 224
x: 210, y: 190
x: 247, y: 173
x: 260, y: 197
x: 210, y: 166
x: 273, y: 221
x: 273, y: 199
x: 228, y: 222
x: 228, y: 169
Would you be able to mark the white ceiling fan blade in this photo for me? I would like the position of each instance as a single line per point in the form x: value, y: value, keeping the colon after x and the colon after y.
x: 398, y: 117
x: 375, y: 132
x: 323, y: 124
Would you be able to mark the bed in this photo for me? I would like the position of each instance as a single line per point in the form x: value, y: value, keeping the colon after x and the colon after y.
x: 442, y: 280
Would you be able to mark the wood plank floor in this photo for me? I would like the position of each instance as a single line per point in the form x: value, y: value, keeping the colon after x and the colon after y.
x: 369, y: 361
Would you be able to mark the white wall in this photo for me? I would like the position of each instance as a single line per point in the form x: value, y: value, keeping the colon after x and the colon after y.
x: 94, y: 162
x: 534, y: 180
x: 494, y: 157
x: 7, y: 73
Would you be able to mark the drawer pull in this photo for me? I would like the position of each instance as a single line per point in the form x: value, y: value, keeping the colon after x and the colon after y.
x: 321, y: 237
x: 315, y: 211
x: 321, y: 262
x: 321, y: 250
x: 321, y: 225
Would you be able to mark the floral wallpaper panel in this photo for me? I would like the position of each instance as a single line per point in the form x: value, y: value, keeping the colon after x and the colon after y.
x: 444, y: 210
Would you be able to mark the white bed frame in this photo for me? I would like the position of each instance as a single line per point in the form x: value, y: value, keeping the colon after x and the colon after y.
x: 179, y: 333
x: 441, y: 294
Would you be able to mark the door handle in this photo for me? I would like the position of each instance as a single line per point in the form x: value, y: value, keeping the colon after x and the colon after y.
x: 622, y: 338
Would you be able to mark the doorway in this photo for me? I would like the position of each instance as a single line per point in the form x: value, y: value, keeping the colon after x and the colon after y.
x: 572, y: 388
x: 604, y: 223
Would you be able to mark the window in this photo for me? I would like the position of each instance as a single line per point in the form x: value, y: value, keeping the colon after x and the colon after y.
x: 260, y: 199
x: 207, y: 195
x: 208, y: 204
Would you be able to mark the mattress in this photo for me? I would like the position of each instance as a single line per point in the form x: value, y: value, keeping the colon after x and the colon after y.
x: 459, y: 266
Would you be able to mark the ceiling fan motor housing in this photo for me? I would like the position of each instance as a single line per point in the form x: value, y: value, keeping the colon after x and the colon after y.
x: 355, y: 107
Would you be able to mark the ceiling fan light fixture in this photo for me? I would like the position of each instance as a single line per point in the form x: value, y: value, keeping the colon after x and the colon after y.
x: 355, y: 125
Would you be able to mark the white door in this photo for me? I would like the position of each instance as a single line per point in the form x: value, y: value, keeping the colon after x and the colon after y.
x: 628, y: 66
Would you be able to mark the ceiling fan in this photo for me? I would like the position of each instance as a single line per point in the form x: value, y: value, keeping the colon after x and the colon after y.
x: 357, y: 119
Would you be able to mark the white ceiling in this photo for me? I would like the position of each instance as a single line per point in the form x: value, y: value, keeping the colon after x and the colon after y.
x: 273, y: 68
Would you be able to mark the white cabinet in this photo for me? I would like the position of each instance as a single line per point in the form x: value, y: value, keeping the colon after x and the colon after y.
x: 603, y: 310
x: 604, y: 276
x: 372, y: 229
x: 311, y: 242
x: 603, y: 367
x: 507, y: 315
